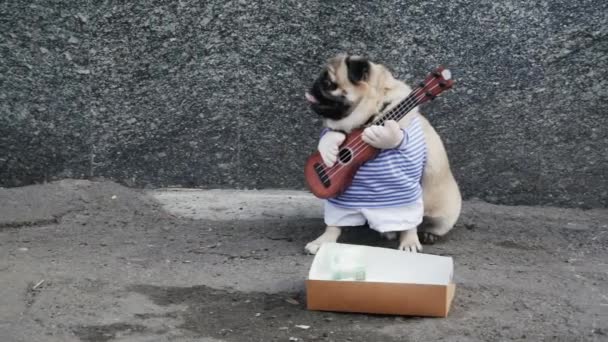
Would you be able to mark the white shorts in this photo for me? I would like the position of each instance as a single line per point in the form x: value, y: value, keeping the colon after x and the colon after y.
x: 380, y: 219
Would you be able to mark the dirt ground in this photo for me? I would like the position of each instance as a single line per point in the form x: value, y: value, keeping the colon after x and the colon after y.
x: 95, y: 262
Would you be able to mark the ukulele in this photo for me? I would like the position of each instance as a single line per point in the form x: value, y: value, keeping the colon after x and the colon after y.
x: 328, y: 182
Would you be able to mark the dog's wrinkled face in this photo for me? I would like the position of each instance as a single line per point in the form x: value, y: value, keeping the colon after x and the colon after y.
x: 341, y: 86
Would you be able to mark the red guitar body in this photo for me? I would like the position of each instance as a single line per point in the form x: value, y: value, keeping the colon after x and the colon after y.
x: 328, y: 182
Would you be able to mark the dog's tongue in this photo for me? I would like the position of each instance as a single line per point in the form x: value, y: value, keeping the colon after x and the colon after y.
x: 311, y: 98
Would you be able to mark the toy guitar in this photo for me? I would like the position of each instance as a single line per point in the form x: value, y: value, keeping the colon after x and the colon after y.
x: 329, y: 182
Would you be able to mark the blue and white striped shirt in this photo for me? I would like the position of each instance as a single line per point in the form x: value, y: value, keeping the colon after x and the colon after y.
x: 392, y: 178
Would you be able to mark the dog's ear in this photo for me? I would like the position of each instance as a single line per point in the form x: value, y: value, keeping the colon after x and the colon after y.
x: 358, y: 69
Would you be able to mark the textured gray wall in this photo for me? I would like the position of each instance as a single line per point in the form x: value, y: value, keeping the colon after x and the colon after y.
x: 209, y: 93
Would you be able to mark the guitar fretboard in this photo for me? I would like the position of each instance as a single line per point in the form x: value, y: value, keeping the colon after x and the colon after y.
x: 404, y: 107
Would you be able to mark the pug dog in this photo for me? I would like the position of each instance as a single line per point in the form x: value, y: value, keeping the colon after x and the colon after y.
x: 419, y: 200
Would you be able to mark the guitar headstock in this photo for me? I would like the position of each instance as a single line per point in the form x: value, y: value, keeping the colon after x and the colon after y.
x: 435, y: 83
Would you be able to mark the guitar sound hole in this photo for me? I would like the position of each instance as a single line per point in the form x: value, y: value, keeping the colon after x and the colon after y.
x: 345, y: 155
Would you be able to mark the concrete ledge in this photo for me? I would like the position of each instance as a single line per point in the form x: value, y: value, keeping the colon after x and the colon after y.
x: 226, y: 205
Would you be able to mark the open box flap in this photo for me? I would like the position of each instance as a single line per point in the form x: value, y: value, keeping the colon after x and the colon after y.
x: 385, y: 265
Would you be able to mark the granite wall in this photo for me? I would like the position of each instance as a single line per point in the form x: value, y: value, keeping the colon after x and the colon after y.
x: 210, y: 93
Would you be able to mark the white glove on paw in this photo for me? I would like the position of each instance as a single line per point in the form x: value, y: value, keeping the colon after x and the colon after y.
x: 384, y: 137
x: 329, y: 146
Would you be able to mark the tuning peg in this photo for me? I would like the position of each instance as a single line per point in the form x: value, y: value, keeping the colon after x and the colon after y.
x: 447, y: 75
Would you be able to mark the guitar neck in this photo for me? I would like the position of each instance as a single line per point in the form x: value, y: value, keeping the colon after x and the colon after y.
x: 405, y: 106
x: 434, y: 84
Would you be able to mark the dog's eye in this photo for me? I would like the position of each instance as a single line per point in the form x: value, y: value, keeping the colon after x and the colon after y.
x: 329, y: 85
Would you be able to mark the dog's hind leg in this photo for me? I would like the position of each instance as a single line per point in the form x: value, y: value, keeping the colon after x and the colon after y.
x: 432, y: 228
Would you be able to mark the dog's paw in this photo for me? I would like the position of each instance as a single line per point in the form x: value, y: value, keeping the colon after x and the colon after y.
x: 409, y: 242
x: 390, y: 235
x: 427, y: 238
x: 410, y: 247
x: 331, y: 234
x: 312, y: 247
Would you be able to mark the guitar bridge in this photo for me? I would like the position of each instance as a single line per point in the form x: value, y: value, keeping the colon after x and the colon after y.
x: 320, y: 170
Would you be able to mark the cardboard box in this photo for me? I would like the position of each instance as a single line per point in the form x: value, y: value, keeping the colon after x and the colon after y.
x: 396, y: 282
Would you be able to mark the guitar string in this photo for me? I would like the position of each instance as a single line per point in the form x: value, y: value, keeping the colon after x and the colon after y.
x: 359, y: 141
x: 361, y: 145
